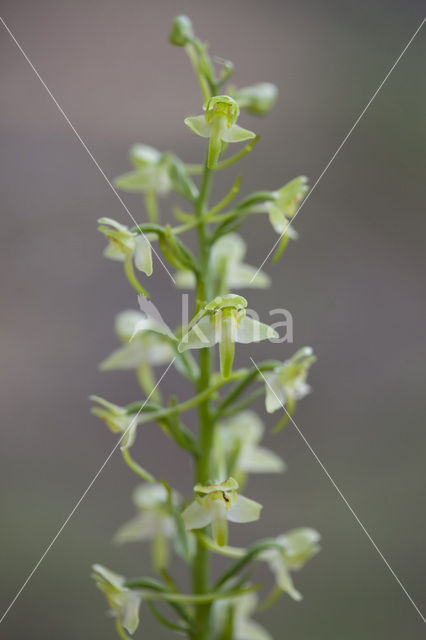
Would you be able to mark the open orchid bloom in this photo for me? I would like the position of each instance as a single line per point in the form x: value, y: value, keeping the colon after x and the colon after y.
x: 145, y: 341
x: 228, y: 268
x: 243, y: 607
x: 215, y: 504
x: 258, y: 98
x: 125, y: 245
x: 224, y: 321
x: 154, y: 522
x: 123, y: 602
x: 117, y: 419
x: 298, y: 546
x: 288, y: 199
x: 151, y: 171
x: 287, y: 383
x: 218, y: 123
x: 237, y: 449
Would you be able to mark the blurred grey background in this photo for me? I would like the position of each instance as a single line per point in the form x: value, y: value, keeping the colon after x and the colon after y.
x: 354, y: 283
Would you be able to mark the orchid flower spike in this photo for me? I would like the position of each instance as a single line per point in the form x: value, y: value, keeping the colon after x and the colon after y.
x: 117, y: 419
x: 124, y: 603
x: 237, y: 449
x: 243, y: 607
x: 154, y: 522
x: 224, y: 321
x: 228, y: 268
x: 287, y: 383
x: 125, y: 245
x: 215, y: 504
x: 219, y: 125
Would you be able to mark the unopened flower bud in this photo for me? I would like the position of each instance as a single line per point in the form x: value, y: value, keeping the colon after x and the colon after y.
x: 181, y: 32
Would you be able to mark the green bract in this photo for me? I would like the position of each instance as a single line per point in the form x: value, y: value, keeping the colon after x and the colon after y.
x: 213, y: 425
x: 218, y: 124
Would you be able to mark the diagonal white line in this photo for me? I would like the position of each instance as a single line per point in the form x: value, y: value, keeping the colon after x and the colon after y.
x: 342, y: 496
x: 80, y: 500
x: 345, y: 139
x: 84, y: 145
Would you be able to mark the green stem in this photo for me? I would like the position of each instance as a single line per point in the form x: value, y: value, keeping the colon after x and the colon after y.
x: 136, y: 468
x: 200, y: 574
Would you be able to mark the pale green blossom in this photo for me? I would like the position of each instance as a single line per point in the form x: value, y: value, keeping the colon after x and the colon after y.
x: 297, y: 547
x: 258, y: 98
x: 117, y: 419
x: 218, y: 123
x: 224, y: 321
x: 151, y: 171
x: 237, y: 447
x: 124, y: 603
x: 126, y: 245
x: 154, y: 522
x: 243, y: 607
x: 227, y: 267
x: 287, y: 383
x: 217, y: 503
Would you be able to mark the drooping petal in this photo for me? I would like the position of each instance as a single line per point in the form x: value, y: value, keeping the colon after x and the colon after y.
x: 128, y: 357
x: 244, y: 510
x: 130, y: 611
x: 195, y: 516
x: 143, y: 527
x: 246, y: 629
x: 198, y: 125
x: 143, y: 254
x: 237, y: 134
x: 250, y: 330
x: 202, y: 334
x: 137, y: 181
x: 245, y: 276
x: 261, y: 460
x: 282, y: 575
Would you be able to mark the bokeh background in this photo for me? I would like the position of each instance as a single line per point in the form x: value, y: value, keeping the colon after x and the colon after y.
x: 354, y: 283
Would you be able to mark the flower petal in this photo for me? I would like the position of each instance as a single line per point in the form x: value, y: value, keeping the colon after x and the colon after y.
x: 244, y: 510
x: 250, y: 630
x: 237, y: 134
x: 130, y: 612
x: 282, y: 575
x: 137, y: 181
x: 261, y: 460
x: 143, y: 527
x: 198, y: 125
x: 195, y: 516
x: 218, y: 522
x: 128, y: 357
x: 202, y: 334
x: 246, y: 276
x: 143, y: 254
x: 250, y: 330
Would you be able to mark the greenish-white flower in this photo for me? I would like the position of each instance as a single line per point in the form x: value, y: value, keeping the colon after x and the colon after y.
x: 117, y: 419
x: 218, y: 123
x: 217, y: 503
x: 258, y: 98
x: 243, y: 607
x: 126, y: 245
x: 237, y: 446
x: 145, y: 342
x: 151, y: 171
x: 297, y: 547
x: 284, y: 207
x: 287, y: 383
x: 227, y: 267
x: 154, y: 522
x: 224, y: 321
x: 124, y: 603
